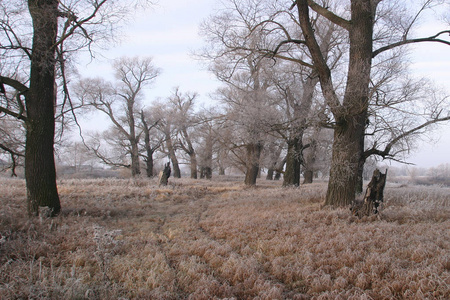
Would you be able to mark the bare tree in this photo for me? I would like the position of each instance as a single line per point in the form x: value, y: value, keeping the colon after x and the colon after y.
x: 296, y: 89
x: 249, y: 116
x: 164, y: 114
x: 151, y: 144
x: 56, y: 29
x: 207, y: 139
x: 182, y: 107
x: 268, y: 32
x: 351, y: 113
x: 247, y: 96
x: 121, y: 101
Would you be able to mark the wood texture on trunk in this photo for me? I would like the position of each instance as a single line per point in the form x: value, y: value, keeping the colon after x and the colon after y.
x: 40, y: 172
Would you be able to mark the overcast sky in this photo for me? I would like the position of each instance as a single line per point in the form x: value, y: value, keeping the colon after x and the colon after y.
x: 169, y: 34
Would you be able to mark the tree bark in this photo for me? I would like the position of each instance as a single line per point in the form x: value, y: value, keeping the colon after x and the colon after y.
x: 279, y: 169
x: 189, y: 149
x: 293, y: 162
x: 308, y: 176
x: 345, y: 162
x: 40, y: 172
x: 193, y: 163
x: 135, y: 164
x: 148, y: 149
x: 207, y: 159
x: 348, y: 146
x: 149, y: 163
x: 252, y: 164
x: 374, y: 196
x: 173, y: 157
x: 351, y: 115
x: 360, y: 177
x: 310, y: 160
x: 165, y: 174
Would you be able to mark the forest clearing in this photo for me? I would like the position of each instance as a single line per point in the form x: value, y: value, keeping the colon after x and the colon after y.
x: 199, y: 239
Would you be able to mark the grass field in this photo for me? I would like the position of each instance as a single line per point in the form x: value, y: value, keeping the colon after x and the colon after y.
x: 130, y: 239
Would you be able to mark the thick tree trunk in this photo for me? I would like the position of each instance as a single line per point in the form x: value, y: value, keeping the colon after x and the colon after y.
x: 351, y: 114
x: 221, y: 171
x: 310, y: 160
x: 135, y: 164
x: 193, y: 159
x: 173, y: 157
x: 345, y: 162
x: 149, y: 162
x: 348, y: 143
x: 293, y: 162
x: 360, y: 177
x: 270, y: 173
x: 279, y: 169
x: 207, y: 160
x: 252, y: 165
x: 206, y: 172
x: 274, y: 157
x: 40, y: 173
x: 148, y: 148
x: 308, y: 176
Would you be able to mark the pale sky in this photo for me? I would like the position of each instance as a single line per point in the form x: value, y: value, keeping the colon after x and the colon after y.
x: 169, y: 34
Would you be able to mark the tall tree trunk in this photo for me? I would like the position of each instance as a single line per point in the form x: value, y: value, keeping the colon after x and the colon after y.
x: 310, y: 160
x: 252, y: 164
x: 352, y: 113
x: 360, y: 177
x: 279, y: 168
x: 173, y: 157
x: 135, y: 164
x: 193, y: 161
x: 295, y: 143
x: 345, y: 162
x: 40, y: 173
x: 293, y: 162
x: 207, y: 159
x: 221, y: 171
x: 348, y: 146
x: 148, y: 148
x: 308, y: 176
x: 149, y: 162
x: 274, y: 157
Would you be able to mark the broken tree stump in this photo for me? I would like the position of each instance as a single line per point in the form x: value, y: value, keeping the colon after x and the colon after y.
x: 164, y: 175
x: 373, y: 197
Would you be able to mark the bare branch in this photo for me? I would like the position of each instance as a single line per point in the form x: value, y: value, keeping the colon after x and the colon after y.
x: 433, y: 38
x: 329, y: 15
x: 386, y: 152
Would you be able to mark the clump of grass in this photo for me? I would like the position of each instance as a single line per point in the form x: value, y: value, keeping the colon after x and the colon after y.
x: 131, y: 239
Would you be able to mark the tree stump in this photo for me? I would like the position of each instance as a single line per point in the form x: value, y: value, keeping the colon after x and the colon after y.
x: 164, y: 175
x: 373, y: 197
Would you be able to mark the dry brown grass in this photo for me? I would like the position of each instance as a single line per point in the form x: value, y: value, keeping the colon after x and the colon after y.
x: 130, y: 239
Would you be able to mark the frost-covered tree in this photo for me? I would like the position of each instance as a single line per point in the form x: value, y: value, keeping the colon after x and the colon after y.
x: 121, y: 102
x: 37, y: 38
